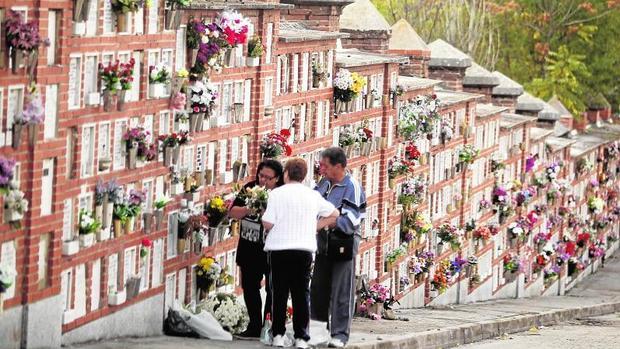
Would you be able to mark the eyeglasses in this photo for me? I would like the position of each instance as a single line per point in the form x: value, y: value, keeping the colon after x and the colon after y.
x: 265, y: 177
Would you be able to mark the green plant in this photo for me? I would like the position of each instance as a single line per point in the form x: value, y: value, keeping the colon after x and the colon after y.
x: 88, y: 224
x: 255, y: 47
x: 125, y: 6
x: 122, y: 212
x: 161, y: 202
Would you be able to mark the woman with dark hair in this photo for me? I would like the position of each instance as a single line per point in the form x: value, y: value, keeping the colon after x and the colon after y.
x: 251, y: 258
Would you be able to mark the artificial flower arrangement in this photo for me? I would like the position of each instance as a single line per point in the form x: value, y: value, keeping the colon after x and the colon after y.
x: 110, y: 77
x: 540, y: 262
x: 450, y: 234
x: 612, y: 151
x: 530, y: 162
x: 583, y: 239
x: 23, y: 36
x: 87, y: 223
x: 421, y: 263
x: 539, y: 181
x: 125, y: 76
x: 32, y: 115
x: 414, y: 222
x: 228, y: 311
x: 484, y: 204
x: 364, y: 134
x: 519, y: 229
x: 393, y: 255
x: 542, y: 238
x: 173, y: 13
x: 482, y: 233
x: 418, y: 117
x: 412, y: 153
x: 398, y: 167
x: 412, y: 191
x: 525, y: 195
x: 15, y: 206
x: 160, y: 73
x: 234, y: 27
x: 596, y: 250
x: 175, y: 139
x: 207, y: 272
x: 274, y: 144
x: 347, y: 86
x: 136, y: 140
x: 447, y: 132
x: 584, y: 165
x: 255, y: 47
x: 552, y: 171
x: 7, y: 171
x: 574, y: 266
x: 255, y: 199
x: 440, y: 279
x: 457, y: 265
x: 348, y: 137
x: 595, y: 204
x: 511, y: 263
x: 468, y: 154
x: 551, y: 274
x: 216, y: 210
x: 145, y: 245
x: 318, y: 74
x: 502, y: 201
x: 208, y: 42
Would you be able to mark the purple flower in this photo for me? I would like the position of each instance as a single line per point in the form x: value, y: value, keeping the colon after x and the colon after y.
x: 6, y: 170
x: 136, y: 197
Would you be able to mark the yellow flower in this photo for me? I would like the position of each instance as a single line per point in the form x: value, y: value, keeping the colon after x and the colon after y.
x: 358, y: 83
x: 217, y: 203
x: 182, y: 73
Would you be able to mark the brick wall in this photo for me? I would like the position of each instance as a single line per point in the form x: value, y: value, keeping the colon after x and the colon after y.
x: 452, y: 77
x: 376, y: 41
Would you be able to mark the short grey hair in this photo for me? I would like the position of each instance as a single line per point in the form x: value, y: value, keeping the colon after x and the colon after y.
x: 335, y: 155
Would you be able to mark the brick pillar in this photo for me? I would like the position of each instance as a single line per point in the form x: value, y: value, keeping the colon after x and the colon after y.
x: 483, y: 90
x: 581, y: 123
x: 509, y: 102
x: 372, y: 40
x: 417, y: 65
x: 452, y: 77
x: 593, y: 116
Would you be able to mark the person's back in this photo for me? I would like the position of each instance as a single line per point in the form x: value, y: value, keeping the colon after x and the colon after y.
x: 295, y: 218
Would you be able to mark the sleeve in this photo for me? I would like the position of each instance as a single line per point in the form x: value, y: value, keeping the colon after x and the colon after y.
x: 270, y: 212
x: 353, y: 210
x: 325, y: 207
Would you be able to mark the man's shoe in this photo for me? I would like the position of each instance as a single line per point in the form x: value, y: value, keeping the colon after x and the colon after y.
x: 336, y: 343
x: 278, y: 341
x: 302, y: 344
x: 248, y: 335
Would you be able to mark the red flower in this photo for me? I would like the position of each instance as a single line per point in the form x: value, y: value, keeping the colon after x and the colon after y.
x: 570, y: 248
x: 288, y: 150
x: 146, y: 242
x: 285, y: 133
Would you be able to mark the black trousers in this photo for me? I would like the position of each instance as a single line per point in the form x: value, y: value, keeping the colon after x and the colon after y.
x: 290, y: 273
x: 251, y: 277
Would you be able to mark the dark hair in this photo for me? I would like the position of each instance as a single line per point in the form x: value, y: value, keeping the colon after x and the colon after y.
x: 297, y: 169
x: 335, y: 155
x: 276, y: 166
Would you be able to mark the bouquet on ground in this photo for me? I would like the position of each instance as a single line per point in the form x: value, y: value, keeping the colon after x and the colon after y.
x: 228, y: 311
x: 216, y: 211
x: 418, y: 117
x: 412, y: 191
x: 376, y: 294
x: 448, y: 233
x: 347, y: 85
x: 274, y: 145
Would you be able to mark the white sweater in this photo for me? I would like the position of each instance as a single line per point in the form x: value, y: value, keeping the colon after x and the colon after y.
x: 293, y: 209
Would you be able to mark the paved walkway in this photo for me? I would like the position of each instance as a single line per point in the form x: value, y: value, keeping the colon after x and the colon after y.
x: 447, y: 326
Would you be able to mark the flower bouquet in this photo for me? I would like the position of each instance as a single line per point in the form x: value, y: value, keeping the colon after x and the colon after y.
x: 24, y: 37
x: 511, y: 267
x: 207, y: 272
x: 412, y: 191
x: 160, y: 203
x: 159, y: 77
x: 274, y: 145
x: 32, y: 115
x: 7, y: 171
x: 364, y: 135
x: 206, y: 43
x: 88, y: 226
x: 15, y: 205
x: 232, y: 315
x: 318, y: 74
x: 595, y: 205
x: 448, y: 233
x: 397, y: 167
x: 234, y: 26
x: 216, y: 211
x: 583, y: 239
x: 125, y: 78
x: 255, y: 199
x: 393, y: 255
x: 412, y: 153
x: 137, y: 146
x: 552, y: 171
x: 468, y: 154
x: 121, y: 9
x: 145, y: 245
x: 347, y: 86
x: 418, y: 117
x: 440, y: 279
x: 372, y: 300
x: 255, y: 51
x: 456, y: 265
x: 202, y: 99
x: 584, y: 166
x: 482, y: 234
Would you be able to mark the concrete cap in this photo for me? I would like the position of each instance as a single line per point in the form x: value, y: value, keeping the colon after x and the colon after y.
x: 236, y: 4
x: 485, y: 110
x: 507, y: 86
x: 449, y: 97
x: 354, y: 58
x: 510, y: 120
x: 559, y: 106
x: 405, y: 38
x: 557, y: 143
x: 410, y: 83
x: 363, y: 16
x: 445, y: 55
x: 318, y: 2
x: 477, y: 75
x: 527, y: 102
x: 537, y: 133
x: 298, y: 32
x: 585, y: 143
x: 548, y: 113
x: 559, y: 129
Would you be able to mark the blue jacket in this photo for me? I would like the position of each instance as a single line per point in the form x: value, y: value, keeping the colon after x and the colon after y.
x: 349, y: 197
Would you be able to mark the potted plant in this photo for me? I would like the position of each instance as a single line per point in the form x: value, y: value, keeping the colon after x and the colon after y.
x: 15, y: 205
x: 88, y: 226
x: 116, y: 297
x: 121, y: 218
x: 173, y: 14
x: 135, y: 200
x: 159, y: 205
x: 32, y: 115
x: 125, y: 76
x: 159, y: 77
x: 255, y: 51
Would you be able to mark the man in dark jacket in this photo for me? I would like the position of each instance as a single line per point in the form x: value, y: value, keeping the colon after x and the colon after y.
x: 333, y: 282
x: 251, y: 258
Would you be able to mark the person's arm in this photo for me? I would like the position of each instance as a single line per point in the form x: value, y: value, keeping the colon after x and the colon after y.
x: 327, y: 221
x: 238, y: 212
x: 353, y: 210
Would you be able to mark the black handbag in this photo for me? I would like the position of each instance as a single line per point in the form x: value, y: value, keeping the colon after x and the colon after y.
x: 340, y: 245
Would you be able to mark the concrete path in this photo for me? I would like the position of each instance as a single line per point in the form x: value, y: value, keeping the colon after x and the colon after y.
x: 444, y: 327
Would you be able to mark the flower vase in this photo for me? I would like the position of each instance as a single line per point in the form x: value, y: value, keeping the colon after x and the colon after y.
x: 129, y: 225
x: 193, y: 120
x: 540, y: 246
x: 157, y: 90
x: 222, y: 231
x: 14, y: 60
x: 376, y: 308
x: 238, y: 111
x: 108, y: 100
x: 212, y: 235
x: 159, y: 216
x: 108, y: 214
x: 17, y: 135
x: 118, y: 228
x: 32, y: 62
x: 147, y: 218
x: 87, y: 240
x: 171, y: 155
x: 349, y: 106
x: 391, y: 183
x: 120, y: 104
x: 99, y: 213
x: 228, y: 55
x: 11, y: 215
x: 121, y: 23
x: 181, y: 246
x: 132, y: 158
x: 133, y: 286
x: 32, y: 134
x: 173, y: 19
x: 440, y: 248
x: 253, y: 61
x: 196, y: 247
x: 366, y: 147
x: 316, y: 81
